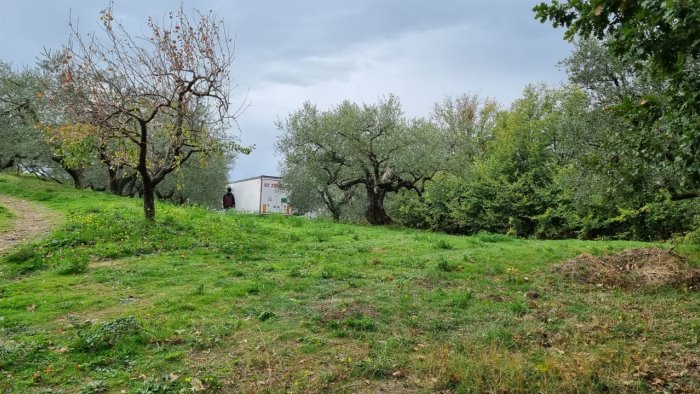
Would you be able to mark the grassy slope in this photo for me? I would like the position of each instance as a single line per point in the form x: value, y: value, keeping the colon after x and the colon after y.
x: 249, y: 303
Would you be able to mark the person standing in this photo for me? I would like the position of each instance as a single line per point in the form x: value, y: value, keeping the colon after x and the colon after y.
x: 229, y: 200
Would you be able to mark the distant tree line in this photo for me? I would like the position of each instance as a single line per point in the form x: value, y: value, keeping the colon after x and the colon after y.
x: 614, y: 153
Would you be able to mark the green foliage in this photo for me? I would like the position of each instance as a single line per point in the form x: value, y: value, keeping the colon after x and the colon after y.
x: 23, y: 145
x: 664, y: 33
x: 655, y: 41
x: 199, y: 181
x: 114, y: 333
x: 335, y: 156
x: 77, y: 265
x: 555, y: 169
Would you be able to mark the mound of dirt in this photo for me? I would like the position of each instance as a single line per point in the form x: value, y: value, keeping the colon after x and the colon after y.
x: 647, y: 268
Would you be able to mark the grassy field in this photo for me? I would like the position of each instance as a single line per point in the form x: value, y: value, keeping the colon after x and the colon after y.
x: 210, y: 302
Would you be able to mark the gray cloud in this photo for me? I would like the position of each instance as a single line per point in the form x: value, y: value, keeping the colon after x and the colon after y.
x: 288, y: 52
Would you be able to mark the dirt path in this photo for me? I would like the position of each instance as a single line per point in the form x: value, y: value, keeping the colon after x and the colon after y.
x: 31, y: 221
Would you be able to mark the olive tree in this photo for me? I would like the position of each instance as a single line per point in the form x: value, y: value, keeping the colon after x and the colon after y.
x: 467, y: 123
x: 370, y: 147
x: 28, y: 141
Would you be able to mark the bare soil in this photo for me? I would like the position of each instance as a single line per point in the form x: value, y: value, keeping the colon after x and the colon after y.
x: 31, y: 221
x: 646, y: 268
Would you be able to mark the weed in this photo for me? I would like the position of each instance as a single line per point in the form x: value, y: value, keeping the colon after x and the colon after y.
x: 266, y: 315
x: 77, y: 265
x: 12, y: 352
x: 514, y: 277
x: 334, y: 271
x: 519, y: 308
x: 463, y: 299
x: 360, y: 323
x: 94, y: 387
x: 322, y: 237
x: 295, y: 272
x: 199, y: 290
x: 93, y: 339
x: 445, y: 266
x: 25, y: 260
x: 383, y: 361
x: 443, y: 244
x: 165, y: 384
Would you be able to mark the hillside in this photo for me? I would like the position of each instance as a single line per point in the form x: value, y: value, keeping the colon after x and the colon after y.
x: 210, y: 302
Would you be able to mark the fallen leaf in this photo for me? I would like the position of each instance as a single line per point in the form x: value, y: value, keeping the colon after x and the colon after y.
x: 31, y: 308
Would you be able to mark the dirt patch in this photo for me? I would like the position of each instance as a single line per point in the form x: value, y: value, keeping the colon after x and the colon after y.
x: 32, y: 221
x: 647, y: 268
x: 340, y: 311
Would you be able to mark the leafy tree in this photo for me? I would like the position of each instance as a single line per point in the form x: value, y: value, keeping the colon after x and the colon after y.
x: 665, y: 33
x: 153, y: 101
x: 197, y: 182
x: 21, y: 142
x: 619, y: 169
x: 351, y: 146
x: 516, y: 187
x: 310, y: 192
x: 661, y: 38
x: 467, y: 124
x: 27, y: 143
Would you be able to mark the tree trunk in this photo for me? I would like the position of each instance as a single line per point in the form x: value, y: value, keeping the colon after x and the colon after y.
x: 78, y: 178
x: 7, y: 164
x: 76, y: 174
x: 149, y: 187
x: 149, y: 200
x: 113, y: 182
x: 376, y: 215
x: 331, y: 205
x: 119, y: 185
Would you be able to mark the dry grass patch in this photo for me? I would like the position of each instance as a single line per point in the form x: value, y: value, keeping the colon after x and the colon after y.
x: 646, y: 268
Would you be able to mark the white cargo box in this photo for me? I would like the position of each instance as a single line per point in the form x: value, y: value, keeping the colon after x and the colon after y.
x: 262, y: 194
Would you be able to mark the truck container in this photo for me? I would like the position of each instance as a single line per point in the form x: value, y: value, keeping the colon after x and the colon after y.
x: 261, y: 194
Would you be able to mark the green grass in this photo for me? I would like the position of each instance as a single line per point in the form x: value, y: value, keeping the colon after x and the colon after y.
x: 6, y: 218
x: 242, y: 303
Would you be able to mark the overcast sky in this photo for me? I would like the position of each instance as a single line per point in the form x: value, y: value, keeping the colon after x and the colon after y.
x: 326, y: 51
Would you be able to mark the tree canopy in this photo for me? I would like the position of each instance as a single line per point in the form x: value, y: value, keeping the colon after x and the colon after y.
x: 660, y: 39
x: 358, y: 146
x: 152, y: 102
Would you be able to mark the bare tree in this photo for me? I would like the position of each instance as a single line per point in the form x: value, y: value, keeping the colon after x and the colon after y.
x: 154, y: 100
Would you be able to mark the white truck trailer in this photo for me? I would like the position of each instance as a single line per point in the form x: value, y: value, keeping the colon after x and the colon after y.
x: 261, y: 194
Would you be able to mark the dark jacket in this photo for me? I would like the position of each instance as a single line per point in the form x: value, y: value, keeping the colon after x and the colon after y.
x: 229, y: 200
